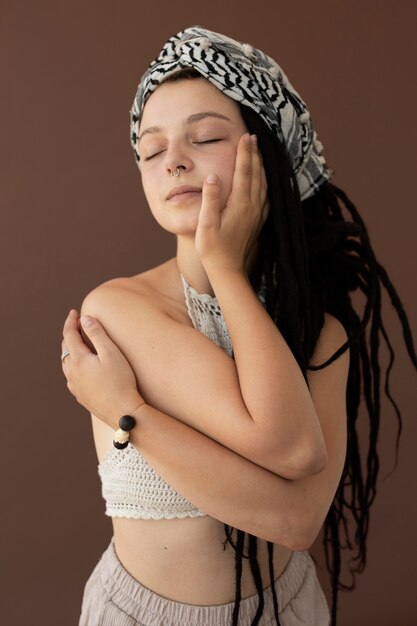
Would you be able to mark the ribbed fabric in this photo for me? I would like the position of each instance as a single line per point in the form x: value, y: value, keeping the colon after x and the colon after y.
x: 112, y: 597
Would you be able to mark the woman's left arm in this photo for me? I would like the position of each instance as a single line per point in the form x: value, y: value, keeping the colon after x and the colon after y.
x: 222, y: 483
x: 271, y: 382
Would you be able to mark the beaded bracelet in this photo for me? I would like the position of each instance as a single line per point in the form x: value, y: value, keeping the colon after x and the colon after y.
x: 121, y: 436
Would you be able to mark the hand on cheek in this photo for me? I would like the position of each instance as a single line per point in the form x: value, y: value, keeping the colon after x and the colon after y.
x: 224, y: 237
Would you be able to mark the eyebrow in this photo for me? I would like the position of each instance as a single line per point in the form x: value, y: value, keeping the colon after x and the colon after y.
x: 196, y: 117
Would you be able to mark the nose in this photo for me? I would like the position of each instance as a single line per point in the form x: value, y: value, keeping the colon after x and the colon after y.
x: 177, y: 157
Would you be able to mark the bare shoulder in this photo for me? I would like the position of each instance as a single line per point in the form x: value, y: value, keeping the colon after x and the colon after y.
x: 115, y: 289
x: 152, y: 292
x: 115, y: 299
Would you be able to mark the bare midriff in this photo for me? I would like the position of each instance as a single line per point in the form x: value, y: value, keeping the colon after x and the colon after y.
x: 186, y: 560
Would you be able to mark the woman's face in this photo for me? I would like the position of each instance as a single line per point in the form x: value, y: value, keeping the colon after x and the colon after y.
x: 192, y: 125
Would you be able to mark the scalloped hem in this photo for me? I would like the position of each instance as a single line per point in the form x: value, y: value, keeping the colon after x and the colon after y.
x: 155, y: 516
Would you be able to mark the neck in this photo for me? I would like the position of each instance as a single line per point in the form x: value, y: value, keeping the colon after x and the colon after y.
x: 191, y: 267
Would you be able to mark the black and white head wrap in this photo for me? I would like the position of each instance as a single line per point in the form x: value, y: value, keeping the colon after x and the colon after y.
x: 251, y: 77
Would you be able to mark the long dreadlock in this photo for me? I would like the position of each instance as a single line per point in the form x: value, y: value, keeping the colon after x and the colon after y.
x: 320, y: 257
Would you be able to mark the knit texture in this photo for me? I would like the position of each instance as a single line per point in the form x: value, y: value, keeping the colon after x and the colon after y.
x: 130, y: 486
x: 206, y: 315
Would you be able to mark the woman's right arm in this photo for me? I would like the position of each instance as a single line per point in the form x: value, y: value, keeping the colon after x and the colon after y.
x: 222, y: 483
x: 185, y: 375
x: 238, y: 492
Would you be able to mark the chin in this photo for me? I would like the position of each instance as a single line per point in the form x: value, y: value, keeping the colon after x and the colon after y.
x: 187, y: 220
x: 183, y: 228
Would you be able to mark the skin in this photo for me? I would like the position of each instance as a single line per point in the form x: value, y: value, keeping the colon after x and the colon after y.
x: 216, y: 234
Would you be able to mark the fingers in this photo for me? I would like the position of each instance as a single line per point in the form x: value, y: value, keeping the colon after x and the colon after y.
x: 242, y: 183
x: 72, y: 340
x: 249, y: 180
x: 263, y: 191
x: 247, y: 200
x: 210, y: 204
x: 259, y: 185
x: 259, y: 182
x: 256, y: 172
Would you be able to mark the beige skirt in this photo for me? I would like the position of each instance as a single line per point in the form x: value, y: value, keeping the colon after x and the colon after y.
x: 112, y: 597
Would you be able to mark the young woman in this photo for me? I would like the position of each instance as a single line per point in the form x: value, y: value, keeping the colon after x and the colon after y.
x: 232, y: 372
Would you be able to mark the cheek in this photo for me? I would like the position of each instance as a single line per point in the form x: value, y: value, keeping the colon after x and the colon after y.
x: 148, y: 184
x: 225, y: 170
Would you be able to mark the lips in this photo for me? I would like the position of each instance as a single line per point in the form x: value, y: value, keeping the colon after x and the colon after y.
x: 175, y: 191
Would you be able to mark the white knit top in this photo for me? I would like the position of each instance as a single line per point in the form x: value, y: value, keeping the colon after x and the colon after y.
x: 130, y: 487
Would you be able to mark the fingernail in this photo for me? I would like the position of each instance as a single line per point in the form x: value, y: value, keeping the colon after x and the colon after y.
x: 253, y: 138
x: 247, y: 138
x: 212, y: 179
x: 86, y: 321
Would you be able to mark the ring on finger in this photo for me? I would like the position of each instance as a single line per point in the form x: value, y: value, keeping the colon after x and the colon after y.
x: 63, y: 355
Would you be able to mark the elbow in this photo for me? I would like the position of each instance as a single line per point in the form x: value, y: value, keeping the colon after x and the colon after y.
x: 308, y: 534
x: 296, y: 539
x: 302, y: 463
x: 311, y: 458
x: 304, y: 456
x: 300, y: 536
x: 301, y: 542
x: 295, y: 527
x: 316, y: 462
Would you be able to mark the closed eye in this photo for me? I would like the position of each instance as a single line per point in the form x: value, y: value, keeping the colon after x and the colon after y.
x: 198, y: 142
x: 208, y: 141
x: 152, y: 156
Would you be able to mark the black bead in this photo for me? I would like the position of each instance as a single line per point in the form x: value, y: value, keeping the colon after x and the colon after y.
x: 127, y: 422
x: 120, y: 446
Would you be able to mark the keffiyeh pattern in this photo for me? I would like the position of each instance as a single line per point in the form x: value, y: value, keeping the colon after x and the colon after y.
x: 251, y: 77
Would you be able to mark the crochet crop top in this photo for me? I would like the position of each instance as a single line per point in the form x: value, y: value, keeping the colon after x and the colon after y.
x: 130, y: 487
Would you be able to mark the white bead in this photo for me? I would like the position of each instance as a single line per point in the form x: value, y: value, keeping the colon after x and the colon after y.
x: 304, y: 117
x: 121, y: 436
x: 273, y: 71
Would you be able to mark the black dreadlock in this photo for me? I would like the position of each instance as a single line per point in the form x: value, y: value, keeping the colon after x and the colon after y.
x: 311, y: 245
x: 320, y: 257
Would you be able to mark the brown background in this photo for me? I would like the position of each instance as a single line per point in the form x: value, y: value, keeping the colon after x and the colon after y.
x: 73, y: 215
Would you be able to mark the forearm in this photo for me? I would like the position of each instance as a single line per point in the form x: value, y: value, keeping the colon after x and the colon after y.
x: 181, y: 372
x: 271, y: 382
x: 222, y: 483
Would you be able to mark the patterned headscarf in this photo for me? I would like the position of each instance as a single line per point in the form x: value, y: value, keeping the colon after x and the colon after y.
x: 249, y: 76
